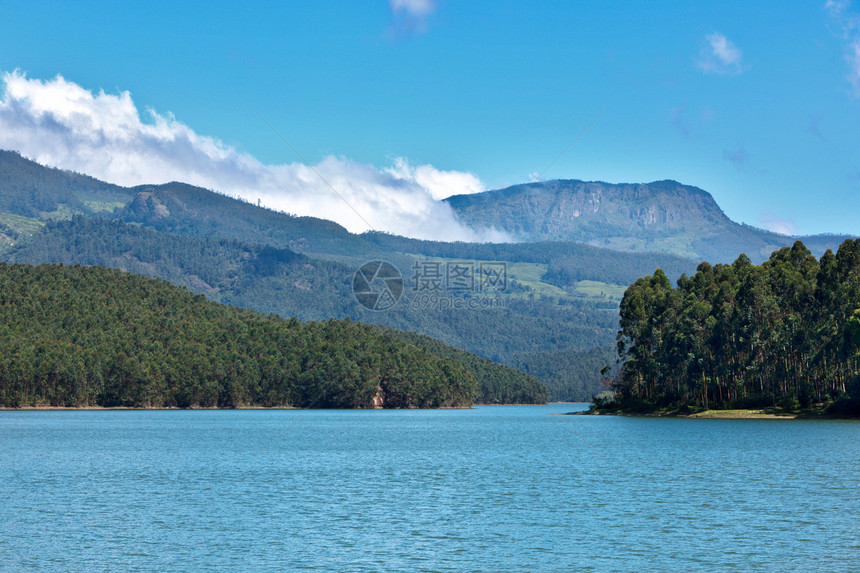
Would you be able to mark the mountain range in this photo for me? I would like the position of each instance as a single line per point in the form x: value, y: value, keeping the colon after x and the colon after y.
x: 556, y: 318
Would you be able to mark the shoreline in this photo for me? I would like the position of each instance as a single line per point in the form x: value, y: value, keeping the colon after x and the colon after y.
x: 199, y: 409
x: 46, y: 408
x: 700, y: 416
x: 131, y: 409
x: 717, y: 415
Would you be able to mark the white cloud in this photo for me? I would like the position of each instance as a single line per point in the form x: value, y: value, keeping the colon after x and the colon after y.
x: 720, y: 56
x: 409, y: 17
x: 773, y: 222
x: 853, y: 58
x: 59, y: 123
x: 440, y: 184
x: 848, y: 23
x: 836, y: 7
x: 418, y: 8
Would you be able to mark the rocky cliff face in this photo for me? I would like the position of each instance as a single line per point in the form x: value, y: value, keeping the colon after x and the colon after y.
x: 663, y: 216
x: 564, y: 209
x: 147, y: 208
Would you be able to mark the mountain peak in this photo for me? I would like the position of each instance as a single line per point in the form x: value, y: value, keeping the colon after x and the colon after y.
x: 661, y: 216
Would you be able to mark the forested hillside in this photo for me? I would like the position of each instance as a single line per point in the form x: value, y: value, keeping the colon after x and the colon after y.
x: 188, y: 210
x: 32, y: 194
x: 497, y: 384
x: 87, y: 336
x: 740, y: 335
x: 255, y: 276
x: 568, y: 262
x: 281, y: 281
x: 34, y: 191
x: 572, y: 375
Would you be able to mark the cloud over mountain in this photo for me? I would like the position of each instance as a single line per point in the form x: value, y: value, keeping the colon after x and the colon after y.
x: 773, y: 222
x: 59, y: 123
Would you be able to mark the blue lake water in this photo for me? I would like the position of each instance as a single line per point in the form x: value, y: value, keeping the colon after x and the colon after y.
x: 507, y: 488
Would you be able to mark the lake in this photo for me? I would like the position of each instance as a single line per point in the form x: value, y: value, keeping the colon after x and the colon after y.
x: 494, y: 488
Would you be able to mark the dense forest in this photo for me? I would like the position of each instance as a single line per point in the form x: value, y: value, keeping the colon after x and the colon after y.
x: 497, y: 384
x: 90, y: 336
x: 570, y: 374
x: 738, y: 335
x: 281, y: 281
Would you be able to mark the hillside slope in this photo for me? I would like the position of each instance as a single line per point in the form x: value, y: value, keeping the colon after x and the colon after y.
x: 188, y: 210
x: 281, y: 281
x: 90, y: 336
x: 32, y: 194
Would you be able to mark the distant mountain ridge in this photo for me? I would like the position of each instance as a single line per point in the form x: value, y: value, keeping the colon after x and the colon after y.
x: 662, y: 216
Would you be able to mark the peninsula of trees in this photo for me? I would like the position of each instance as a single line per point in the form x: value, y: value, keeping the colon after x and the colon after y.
x: 785, y: 333
x: 89, y: 336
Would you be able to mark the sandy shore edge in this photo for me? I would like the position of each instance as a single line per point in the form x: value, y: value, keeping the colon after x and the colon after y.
x: 708, y: 414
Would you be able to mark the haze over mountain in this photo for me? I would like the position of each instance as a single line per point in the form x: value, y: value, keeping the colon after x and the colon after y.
x: 59, y: 123
x: 662, y: 216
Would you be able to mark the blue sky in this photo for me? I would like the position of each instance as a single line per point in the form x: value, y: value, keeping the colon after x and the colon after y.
x: 755, y: 102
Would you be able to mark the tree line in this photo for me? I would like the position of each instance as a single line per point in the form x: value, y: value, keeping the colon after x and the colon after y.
x: 89, y: 336
x: 786, y: 332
